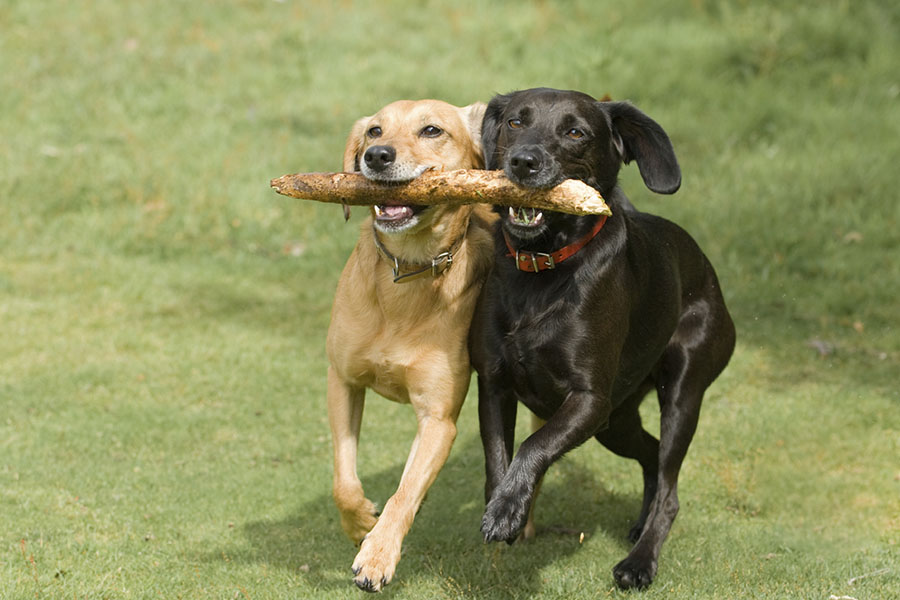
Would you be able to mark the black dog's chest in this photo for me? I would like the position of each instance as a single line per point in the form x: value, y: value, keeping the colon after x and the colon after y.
x: 537, y: 360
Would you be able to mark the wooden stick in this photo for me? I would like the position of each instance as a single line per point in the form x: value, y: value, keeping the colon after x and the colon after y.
x: 442, y: 187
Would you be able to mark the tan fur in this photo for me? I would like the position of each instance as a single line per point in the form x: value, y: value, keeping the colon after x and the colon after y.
x: 406, y: 341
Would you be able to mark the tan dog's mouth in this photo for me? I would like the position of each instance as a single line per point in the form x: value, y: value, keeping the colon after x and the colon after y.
x: 394, y: 218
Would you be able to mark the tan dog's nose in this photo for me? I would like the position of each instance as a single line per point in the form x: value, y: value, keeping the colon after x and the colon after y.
x: 379, y: 158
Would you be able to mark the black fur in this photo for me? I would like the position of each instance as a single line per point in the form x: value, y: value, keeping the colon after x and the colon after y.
x: 638, y: 308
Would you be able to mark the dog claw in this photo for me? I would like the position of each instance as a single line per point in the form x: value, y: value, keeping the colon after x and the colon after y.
x: 498, y: 533
x: 505, y: 516
x: 367, y: 585
x: 632, y: 574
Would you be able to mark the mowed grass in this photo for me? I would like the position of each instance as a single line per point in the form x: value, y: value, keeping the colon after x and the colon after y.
x: 163, y: 313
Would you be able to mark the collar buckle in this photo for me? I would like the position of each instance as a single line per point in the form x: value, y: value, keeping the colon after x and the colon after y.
x: 396, y: 269
x: 444, y: 258
x: 529, y: 261
x: 522, y: 258
x: 438, y: 265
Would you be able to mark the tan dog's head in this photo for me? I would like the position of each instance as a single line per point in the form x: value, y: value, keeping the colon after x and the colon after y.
x: 406, y: 138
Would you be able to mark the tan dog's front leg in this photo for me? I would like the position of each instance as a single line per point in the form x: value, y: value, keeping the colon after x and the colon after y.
x: 345, y: 409
x: 380, y: 552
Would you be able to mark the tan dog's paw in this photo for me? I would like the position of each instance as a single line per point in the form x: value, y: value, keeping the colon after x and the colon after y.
x: 358, y: 522
x: 375, y: 564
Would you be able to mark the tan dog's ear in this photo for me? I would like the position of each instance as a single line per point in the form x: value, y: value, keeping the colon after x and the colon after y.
x: 351, y: 152
x: 354, y: 145
x: 473, y: 115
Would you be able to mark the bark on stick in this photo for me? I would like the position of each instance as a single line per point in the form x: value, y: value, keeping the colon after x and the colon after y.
x: 468, y: 186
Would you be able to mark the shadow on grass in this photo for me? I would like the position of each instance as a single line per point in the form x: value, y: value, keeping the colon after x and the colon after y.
x: 444, y: 547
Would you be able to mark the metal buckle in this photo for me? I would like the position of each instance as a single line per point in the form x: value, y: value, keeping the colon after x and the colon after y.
x: 396, y: 269
x: 549, y: 257
x: 534, y: 260
x: 443, y: 257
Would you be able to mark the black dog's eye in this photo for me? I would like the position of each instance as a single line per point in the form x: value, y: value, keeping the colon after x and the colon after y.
x: 374, y: 132
x: 431, y: 131
x: 575, y: 134
x: 514, y: 123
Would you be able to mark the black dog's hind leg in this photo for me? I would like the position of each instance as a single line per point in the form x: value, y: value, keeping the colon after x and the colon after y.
x: 680, y: 386
x: 626, y: 437
x: 697, y: 352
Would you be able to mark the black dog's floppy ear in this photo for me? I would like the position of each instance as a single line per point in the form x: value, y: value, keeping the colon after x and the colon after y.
x: 490, y: 129
x: 640, y: 138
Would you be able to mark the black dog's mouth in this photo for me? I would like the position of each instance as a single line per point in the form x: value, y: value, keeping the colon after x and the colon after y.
x: 526, y: 217
x: 524, y: 224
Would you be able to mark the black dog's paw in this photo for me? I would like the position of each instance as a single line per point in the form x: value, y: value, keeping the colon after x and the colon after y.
x: 634, y: 572
x: 504, y: 518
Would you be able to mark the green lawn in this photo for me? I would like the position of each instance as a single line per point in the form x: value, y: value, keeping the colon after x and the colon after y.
x: 163, y: 312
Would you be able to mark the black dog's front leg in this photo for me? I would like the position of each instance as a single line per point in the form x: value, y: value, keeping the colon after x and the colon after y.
x: 579, y: 418
x: 497, y: 421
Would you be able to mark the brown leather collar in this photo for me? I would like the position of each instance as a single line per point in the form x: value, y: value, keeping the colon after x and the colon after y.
x: 533, y: 262
x: 438, y: 265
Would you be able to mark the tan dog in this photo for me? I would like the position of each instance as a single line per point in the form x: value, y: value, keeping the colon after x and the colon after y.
x: 401, y: 316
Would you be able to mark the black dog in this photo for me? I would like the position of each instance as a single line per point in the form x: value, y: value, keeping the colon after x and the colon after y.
x: 580, y: 318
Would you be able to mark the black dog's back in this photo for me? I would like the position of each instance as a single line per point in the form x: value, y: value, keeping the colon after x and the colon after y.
x: 634, y: 306
x: 676, y: 279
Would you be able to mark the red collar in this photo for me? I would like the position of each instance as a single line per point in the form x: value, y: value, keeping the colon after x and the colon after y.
x: 533, y: 262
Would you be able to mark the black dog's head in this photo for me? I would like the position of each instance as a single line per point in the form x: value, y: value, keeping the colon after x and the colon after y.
x: 541, y: 137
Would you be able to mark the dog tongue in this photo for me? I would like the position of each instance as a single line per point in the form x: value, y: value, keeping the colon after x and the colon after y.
x: 394, y: 212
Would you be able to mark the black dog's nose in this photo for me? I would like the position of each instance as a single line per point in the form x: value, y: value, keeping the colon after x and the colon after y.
x: 525, y: 163
x: 379, y: 158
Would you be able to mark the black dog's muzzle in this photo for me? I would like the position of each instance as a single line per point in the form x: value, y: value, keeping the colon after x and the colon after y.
x: 531, y: 166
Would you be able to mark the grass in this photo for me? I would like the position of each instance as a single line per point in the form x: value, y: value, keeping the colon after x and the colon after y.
x: 162, y: 419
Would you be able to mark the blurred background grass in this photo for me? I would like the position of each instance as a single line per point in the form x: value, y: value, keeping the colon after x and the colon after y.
x: 163, y: 313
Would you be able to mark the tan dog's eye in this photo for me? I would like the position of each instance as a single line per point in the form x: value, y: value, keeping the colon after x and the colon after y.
x: 514, y: 123
x: 431, y: 131
x: 374, y: 132
x: 575, y: 134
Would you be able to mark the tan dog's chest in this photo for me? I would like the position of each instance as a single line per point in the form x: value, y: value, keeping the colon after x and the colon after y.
x: 393, y: 337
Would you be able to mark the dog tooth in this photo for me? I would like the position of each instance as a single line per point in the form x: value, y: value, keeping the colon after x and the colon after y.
x: 377, y: 211
x: 512, y: 213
